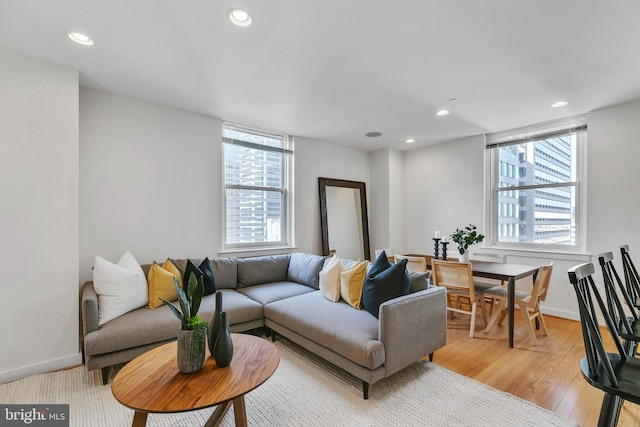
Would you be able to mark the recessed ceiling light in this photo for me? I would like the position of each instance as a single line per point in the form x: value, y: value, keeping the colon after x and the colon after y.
x: 410, y: 141
x: 80, y: 38
x: 442, y: 112
x: 239, y: 17
x: 558, y: 104
x: 373, y: 134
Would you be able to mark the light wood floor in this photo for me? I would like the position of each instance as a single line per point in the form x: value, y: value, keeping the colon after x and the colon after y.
x: 547, y: 374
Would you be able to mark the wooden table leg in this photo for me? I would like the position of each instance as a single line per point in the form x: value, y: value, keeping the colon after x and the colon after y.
x: 511, y: 288
x: 139, y: 419
x: 240, y: 411
x: 217, y: 415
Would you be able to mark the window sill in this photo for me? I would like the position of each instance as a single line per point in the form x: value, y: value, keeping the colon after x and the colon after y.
x: 257, y: 251
x: 576, y: 256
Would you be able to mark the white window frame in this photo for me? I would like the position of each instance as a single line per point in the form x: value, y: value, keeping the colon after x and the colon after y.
x: 286, y: 190
x: 573, y: 124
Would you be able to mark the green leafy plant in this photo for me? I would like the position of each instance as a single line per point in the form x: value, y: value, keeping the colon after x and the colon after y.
x: 189, y: 306
x: 466, y: 237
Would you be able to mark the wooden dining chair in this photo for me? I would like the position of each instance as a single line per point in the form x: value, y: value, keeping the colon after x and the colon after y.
x: 616, y: 373
x: 631, y: 277
x: 627, y: 323
x: 462, y: 292
x: 414, y: 263
x: 528, y: 302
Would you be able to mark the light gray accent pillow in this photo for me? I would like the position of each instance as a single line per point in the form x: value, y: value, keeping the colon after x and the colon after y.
x: 419, y: 280
x: 225, y: 272
x: 305, y: 269
x: 262, y: 269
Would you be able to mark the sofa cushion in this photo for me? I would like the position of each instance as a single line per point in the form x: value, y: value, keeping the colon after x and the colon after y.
x: 144, y: 326
x: 384, y: 282
x: 161, y: 282
x: 121, y: 287
x: 304, y: 268
x: 329, y: 278
x: 225, y: 272
x: 263, y: 269
x: 274, y: 291
x: 204, y: 270
x: 336, y: 326
x: 351, y: 281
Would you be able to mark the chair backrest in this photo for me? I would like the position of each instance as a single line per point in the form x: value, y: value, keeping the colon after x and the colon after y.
x: 581, y: 278
x: 611, y: 279
x: 541, y: 285
x: 414, y: 263
x: 455, y: 276
x: 631, y: 277
x: 389, y: 252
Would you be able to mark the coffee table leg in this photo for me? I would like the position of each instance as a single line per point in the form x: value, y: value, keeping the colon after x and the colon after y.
x: 217, y: 415
x: 240, y: 411
x: 139, y: 419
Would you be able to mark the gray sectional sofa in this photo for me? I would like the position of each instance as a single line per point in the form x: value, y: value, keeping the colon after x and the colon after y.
x: 282, y: 294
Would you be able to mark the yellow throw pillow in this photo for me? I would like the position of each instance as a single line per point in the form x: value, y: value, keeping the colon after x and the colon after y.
x: 161, y: 284
x: 351, y: 282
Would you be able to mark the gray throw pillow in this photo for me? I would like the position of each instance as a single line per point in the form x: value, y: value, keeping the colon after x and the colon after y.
x: 419, y: 280
x: 305, y: 269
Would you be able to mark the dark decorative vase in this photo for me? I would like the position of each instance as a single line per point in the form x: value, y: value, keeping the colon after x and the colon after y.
x: 214, y: 330
x: 223, y: 351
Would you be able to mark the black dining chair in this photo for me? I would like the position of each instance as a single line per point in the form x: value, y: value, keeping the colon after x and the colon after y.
x: 628, y: 326
x: 631, y: 277
x: 617, y: 374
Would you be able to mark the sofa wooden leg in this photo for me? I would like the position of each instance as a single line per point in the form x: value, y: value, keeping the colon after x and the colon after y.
x: 273, y: 336
x: 105, y: 375
x: 430, y: 357
x: 365, y: 389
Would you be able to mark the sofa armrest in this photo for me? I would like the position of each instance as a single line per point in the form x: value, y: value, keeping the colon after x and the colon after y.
x: 89, y: 309
x: 412, y: 326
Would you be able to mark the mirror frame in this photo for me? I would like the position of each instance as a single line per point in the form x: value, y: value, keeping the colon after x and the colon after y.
x: 323, y: 183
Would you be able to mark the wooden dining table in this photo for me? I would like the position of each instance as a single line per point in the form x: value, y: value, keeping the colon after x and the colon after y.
x: 508, y: 273
x: 504, y: 272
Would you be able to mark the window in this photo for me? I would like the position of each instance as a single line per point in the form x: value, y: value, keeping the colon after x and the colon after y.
x: 535, y: 172
x: 257, y: 177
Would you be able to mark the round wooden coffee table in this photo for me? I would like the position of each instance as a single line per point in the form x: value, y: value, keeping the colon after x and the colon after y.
x: 152, y: 383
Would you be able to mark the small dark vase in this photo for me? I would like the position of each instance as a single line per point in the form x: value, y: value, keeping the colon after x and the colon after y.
x: 214, y: 330
x: 223, y: 351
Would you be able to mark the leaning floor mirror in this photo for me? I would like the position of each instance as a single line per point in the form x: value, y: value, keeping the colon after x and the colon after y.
x: 344, y: 219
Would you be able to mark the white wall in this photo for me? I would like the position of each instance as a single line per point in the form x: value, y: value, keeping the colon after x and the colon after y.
x: 387, y: 200
x: 315, y: 159
x: 38, y: 216
x: 613, y: 167
x: 150, y: 181
x: 443, y: 190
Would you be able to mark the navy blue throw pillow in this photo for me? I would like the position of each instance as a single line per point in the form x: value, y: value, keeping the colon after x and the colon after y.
x: 383, y: 284
x: 204, y: 270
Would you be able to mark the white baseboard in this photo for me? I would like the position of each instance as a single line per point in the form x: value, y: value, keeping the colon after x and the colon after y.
x: 560, y: 313
x: 40, y: 368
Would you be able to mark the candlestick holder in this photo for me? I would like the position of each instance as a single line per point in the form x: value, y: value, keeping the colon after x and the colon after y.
x: 444, y: 250
x: 436, y: 247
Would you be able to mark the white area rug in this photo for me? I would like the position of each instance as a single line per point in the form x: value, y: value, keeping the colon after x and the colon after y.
x: 306, y: 391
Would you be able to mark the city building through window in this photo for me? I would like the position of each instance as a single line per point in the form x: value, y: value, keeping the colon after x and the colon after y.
x: 257, y: 177
x: 535, y: 184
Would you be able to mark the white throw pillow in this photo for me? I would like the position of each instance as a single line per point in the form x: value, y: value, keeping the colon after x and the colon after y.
x: 330, y: 279
x: 120, y: 287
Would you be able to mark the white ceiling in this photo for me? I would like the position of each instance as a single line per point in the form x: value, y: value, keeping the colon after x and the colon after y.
x: 335, y: 70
